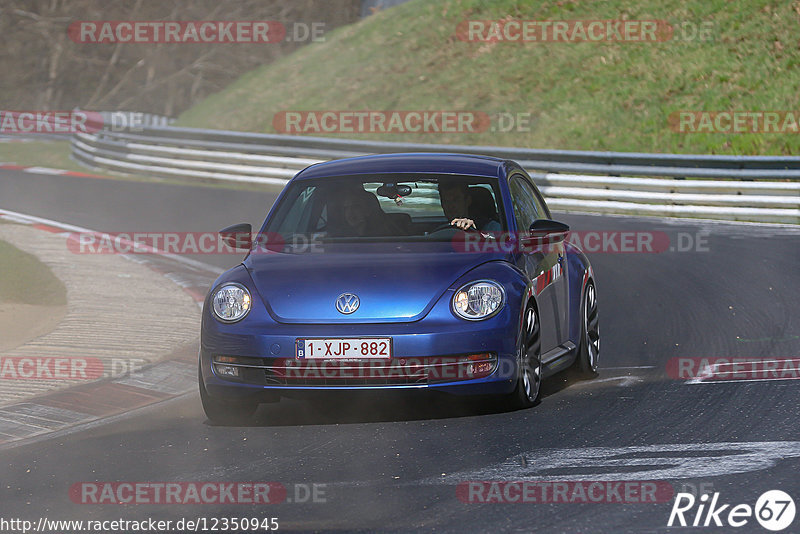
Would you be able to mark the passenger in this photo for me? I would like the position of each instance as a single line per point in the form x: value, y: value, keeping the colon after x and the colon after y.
x: 457, y: 203
x: 363, y: 216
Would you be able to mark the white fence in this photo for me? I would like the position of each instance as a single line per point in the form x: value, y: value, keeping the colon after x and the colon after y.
x: 751, y: 188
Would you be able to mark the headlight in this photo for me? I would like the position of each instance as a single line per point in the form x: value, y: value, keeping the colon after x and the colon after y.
x: 231, y: 303
x: 478, y: 300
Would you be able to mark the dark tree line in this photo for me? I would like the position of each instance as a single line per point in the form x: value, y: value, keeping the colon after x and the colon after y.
x: 42, y: 68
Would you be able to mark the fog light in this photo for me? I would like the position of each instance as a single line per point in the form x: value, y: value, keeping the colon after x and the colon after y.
x: 483, y: 369
x: 480, y: 365
x: 467, y: 367
x: 227, y: 370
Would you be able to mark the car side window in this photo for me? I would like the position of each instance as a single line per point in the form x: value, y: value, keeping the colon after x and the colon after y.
x: 298, y: 212
x: 541, y: 207
x: 525, y: 203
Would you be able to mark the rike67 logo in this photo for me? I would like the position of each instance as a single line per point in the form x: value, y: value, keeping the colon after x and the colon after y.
x: 774, y: 510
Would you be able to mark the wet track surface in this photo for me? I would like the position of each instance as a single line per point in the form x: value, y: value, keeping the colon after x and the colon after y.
x: 395, y: 464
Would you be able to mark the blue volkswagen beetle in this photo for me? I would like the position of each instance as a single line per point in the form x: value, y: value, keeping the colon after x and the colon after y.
x: 438, y: 272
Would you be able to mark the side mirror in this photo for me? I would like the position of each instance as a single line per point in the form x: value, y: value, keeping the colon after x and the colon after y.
x: 238, y: 236
x: 545, y: 231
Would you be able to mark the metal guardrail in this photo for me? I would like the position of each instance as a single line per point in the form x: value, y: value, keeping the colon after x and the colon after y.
x: 751, y: 188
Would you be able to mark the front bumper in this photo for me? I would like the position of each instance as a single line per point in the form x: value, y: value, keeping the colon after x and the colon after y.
x: 450, y: 357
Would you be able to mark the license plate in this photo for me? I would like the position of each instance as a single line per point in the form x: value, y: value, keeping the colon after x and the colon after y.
x: 353, y: 348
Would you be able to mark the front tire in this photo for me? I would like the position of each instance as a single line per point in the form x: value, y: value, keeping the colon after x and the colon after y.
x: 225, y: 411
x: 529, y: 363
x: 589, y: 350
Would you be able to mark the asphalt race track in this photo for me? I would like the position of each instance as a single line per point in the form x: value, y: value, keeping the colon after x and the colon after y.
x: 396, y: 464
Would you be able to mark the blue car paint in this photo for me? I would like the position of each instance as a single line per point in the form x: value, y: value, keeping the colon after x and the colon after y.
x: 578, y: 266
x: 392, y: 286
x: 429, y: 330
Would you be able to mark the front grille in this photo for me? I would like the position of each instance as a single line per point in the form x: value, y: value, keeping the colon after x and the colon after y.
x: 367, y: 372
x: 345, y: 373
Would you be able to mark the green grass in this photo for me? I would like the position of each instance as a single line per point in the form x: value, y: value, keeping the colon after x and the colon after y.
x: 583, y: 96
x: 24, y: 279
x: 53, y: 154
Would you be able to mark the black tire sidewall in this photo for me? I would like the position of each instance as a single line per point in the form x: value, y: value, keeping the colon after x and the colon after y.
x: 519, y: 398
x: 584, y: 366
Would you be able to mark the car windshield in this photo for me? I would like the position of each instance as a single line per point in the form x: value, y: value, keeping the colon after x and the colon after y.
x: 386, y: 208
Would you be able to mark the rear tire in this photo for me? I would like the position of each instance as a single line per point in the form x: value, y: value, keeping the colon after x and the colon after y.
x: 225, y: 411
x: 529, y: 363
x: 589, y: 349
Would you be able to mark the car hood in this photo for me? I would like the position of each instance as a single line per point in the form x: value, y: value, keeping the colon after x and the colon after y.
x: 391, y: 287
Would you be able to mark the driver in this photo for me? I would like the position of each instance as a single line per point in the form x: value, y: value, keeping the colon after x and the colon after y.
x: 456, y: 202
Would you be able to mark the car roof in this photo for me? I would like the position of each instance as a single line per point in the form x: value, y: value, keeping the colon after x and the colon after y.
x: 425, y: 162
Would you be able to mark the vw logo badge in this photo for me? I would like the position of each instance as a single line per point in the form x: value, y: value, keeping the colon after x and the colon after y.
x: 347, y: 303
